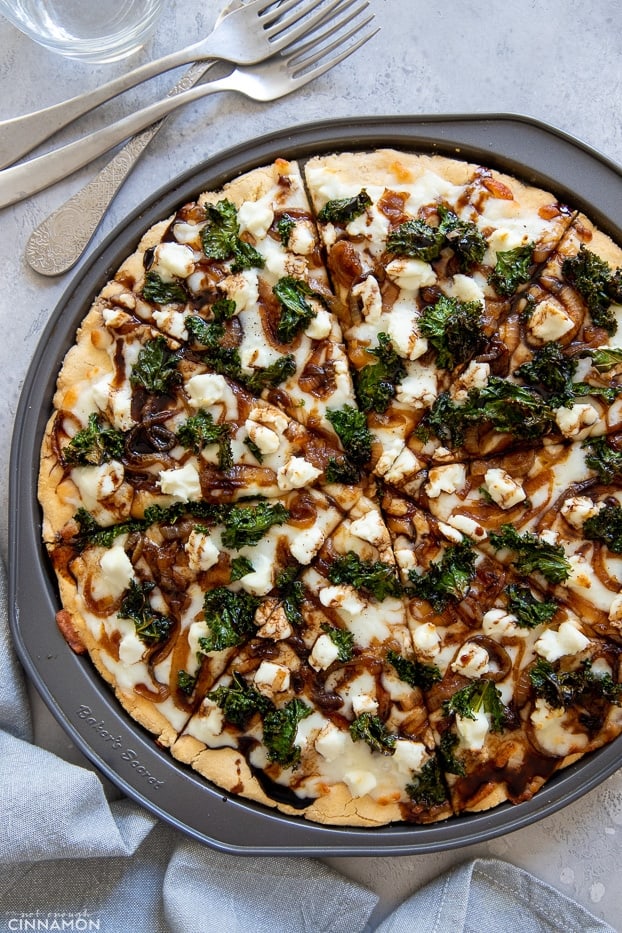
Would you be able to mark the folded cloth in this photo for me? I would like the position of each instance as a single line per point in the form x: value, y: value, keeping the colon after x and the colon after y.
x: 71, y: 860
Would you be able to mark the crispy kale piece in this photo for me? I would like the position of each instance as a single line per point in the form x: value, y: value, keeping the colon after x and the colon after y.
x: 240, y: 566
x: 414, y: 673
x: 581, y: 686
x: 606, y: 526
x: 151, y: 626
x: 91, y: 534
x: 597, y: 284
x: 245, y: 525
x: 279, y: 732
x: 454, y: 329
x: 296, y: 311
x: 159, y: 292
x: 156, y: 367
x: 605, y: 358
x: 427, y: 788
x: 220, y: 238
x: 343, y: 639
x: 95, y: 444
x: 512, y: 268
x: 292, y: 593
x: 229, y: 617
x: 374, y: 577
x: 551, y: 371
x: 468, y: 244
x: 533, y: 554
x: 376, y: 384
x: 200, y: 431
x: 205, y: 333
x: 239, y: 701
x: 448, y: 580
x: 507, y: 407
x: 604, y: 459
x: 368, y: 727
x: 417, y: 240
x: 529, y: 610
x: 186, y: 682
x: 479, y: 695
x: 285, y: 224
x: 343, y: 210
x: 447, y: 753
x: 351, y: 427
x: 267, y: 377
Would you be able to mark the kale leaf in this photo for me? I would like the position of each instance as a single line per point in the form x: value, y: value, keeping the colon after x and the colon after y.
x: 375, y: 384
x: 296, y: 312
x: 427, y: 788
x: 561, y: 689
x: 533, y: 554
x: 604, y: 459
x: 91, y: 534
x: 245, y: 525
x: 342, y: 638
x: 267, y: 377
x: 605, y: 358
x: 606, y: 526
x: 159, y: 292
x: 512, y: 268
x: 447, y: 756
x: 368, y: 727
x: 551, y: 370
x: 463, y: 236
x: 279, y: 732
x: 447, y: 580
x: 220, y: 238
x: 200, y: 431
x: 351, y: 428
x: 454, y: 329
x: 528, y: 610
x: 373, y: 577
x: 186, y: 682
x: 414, y: 673
x: 156, y: 367
x: 292, y: 593
x: 240, y: 567
x: 417, y: 240
x: 95, y: 444
x: 343, y: 210
x: 597, y: 284
x: 229, y: 617
x: 479, y: 695
x: 239, y: 701
x: 151, y: 626
x: 284, y: 226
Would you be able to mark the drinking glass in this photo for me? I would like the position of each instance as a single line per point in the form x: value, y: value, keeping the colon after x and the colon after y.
x: 87, y: 30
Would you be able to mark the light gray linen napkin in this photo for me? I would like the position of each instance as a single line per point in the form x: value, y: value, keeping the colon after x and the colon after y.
x: 71, y: 860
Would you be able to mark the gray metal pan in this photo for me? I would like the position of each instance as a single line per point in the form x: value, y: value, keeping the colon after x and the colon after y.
x: 69, y: 685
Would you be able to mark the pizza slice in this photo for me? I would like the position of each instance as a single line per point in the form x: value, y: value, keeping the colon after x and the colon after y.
x: 322, y: 712
x: 238, y: 273
x: 428, y: 257
x: 523, y: 686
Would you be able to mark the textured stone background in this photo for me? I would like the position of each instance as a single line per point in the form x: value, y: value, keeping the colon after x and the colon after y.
x: 559, y: 61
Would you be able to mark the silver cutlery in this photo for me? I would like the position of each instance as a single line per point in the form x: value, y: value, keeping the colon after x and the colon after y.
x: 245, y: 36
x: 269, y: 80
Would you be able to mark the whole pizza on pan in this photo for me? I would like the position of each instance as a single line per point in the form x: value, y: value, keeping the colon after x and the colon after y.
x: 333, y: 487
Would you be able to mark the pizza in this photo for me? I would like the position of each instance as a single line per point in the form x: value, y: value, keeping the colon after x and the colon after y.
x: 332, y: 487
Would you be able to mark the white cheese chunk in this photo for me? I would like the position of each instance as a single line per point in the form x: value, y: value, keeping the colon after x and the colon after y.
x: 448, y: 479
x: 419, y: 388
x: 467, y: 526
x: 306, y: 544
x: 301, y: 238
x: 256, y: 217
x: 359, y: 782
x: 273, y: 677
x: 426, y: 638
x: 182, y: 483
x: 472, y: 661
x: 260, y: 581
x: 323, y: 653
x: 503, y: 490
x: 267, y: 440
x: 549, y: 321
x: 171, y: 322
x: 372, y: 224
x: 577, y: 420
x: 296, y: 473
x: 206, y: 389
x: 243, y: 288
x: 473, y: 732
x: 402, y: 329
x: 568, y: 639
x: 131, y: 648
x: 116, y: 570
x: 577, y: 509
x: 368, y: 291
x: 370, y: 527
x: 410, y: 756
x: 342, y: 596
x: 320, y: 325
x: 97, y: 482
x: 498, y: 622
x: 173, y: 259
x: 201, y: 550
x: 331, y: 743
x: 411, y: 274
x: 475, y: 376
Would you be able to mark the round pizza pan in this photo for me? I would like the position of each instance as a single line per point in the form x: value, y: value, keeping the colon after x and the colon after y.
x: 76, y: 695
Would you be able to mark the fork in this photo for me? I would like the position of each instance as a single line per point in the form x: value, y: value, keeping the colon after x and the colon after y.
x: 267, y: 81
x: 245, y: 36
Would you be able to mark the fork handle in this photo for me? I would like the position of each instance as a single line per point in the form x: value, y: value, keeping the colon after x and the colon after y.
x: 22, y: 181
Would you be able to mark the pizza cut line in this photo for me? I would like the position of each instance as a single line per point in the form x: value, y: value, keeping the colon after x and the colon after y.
x: 332, y: 487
